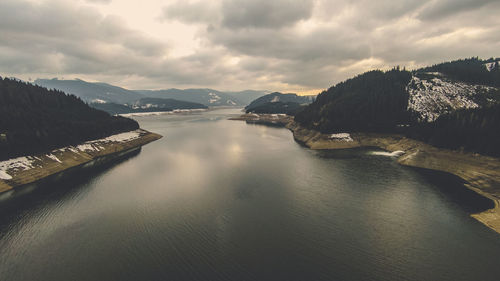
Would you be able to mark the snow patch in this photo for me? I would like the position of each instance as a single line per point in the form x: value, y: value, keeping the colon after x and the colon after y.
x: 275, y: 99
x: 98, y: 101
x: 213, y: 98
x: 15, y: 164
x: 396, y: 153
x: 430, y: 98
x: 27, y: 162
x: 490, y: 66
x: 4, y: 176
x: 95, y: 145
x: 341, y: 137
x: 53, y: 157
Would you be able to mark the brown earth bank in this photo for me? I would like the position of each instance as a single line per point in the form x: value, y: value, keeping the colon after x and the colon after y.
x: 482, y: 173
x: 22, y: 171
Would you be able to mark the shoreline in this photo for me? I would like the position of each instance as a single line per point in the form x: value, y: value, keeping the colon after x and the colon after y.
x: 27, y: 170
x: 155, y: 113
x: 481, y: 173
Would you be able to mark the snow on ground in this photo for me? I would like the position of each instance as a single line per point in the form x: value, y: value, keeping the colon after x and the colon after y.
x: 491, y: 65
x: 53, y: 157
x: 213, y: 98
x: 430, y: 98
x: 98, y: 101
x: 4, y: 176
x: 27, y: 162
x: 396, y: 153
x: 275, y: 99
x: 19, y: 163
x: 341, y: 137
x: 95, y: 145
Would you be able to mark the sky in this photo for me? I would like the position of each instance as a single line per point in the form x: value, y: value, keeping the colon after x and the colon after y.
x: 301, y: 46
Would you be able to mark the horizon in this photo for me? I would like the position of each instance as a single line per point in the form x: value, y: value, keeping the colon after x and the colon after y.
x: 313, y: 92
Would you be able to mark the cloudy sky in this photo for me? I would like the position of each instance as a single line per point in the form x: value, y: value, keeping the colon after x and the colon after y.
x: 285, y: 45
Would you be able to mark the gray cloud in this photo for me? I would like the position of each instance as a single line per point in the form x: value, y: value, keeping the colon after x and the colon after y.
x: 265, y: 13
x: 276, y: 45
x: 438, y: 9
x: 191, y: 12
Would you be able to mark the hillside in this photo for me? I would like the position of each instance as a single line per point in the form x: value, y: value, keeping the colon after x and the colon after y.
x: 113, y: 108
x: 159, y: 103
x: 91, y: 92
x: 278, y: 103
x: 34, y: 119
x: 102, y: 92
x: 247, y: 96
x: 207, y: 97
x: 453, y: 97
x: 146, y: 105
x: 289, y: 108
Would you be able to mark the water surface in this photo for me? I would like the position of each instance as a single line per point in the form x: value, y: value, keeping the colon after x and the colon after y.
x: 222, y: 200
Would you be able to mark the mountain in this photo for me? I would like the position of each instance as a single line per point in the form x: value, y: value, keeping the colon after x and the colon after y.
x: 112, y: 108
x: 421, y: 103
x: 91, y: 92
x: 159, y: 103
x: 247, y: 96
x: 289, y: 108
x: 146, y: 105
x: 102, y: 92
x: 207, y: 97
x: 34, y: 119
x: 284, y: 101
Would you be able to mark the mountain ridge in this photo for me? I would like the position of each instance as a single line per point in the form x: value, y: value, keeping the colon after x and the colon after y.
x: 92, y: 92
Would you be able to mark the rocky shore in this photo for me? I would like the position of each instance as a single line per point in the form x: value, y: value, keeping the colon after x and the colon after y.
x: 31, y: 169
x: 482, y: 173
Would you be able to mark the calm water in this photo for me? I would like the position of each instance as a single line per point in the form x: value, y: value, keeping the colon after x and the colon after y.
x: 223, y: 200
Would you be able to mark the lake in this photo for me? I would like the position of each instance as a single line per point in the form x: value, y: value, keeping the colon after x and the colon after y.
x: 216, y: 199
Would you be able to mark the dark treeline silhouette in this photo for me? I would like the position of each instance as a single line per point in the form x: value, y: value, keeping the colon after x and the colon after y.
x: 277, y: 97
x: 470, y: 70
x: 475, y: 130
x: 34, y: 119
x: 373, y: 101
x: 290, y: 108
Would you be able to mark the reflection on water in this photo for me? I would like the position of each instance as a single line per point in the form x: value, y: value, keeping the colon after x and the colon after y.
x: 222, y: 200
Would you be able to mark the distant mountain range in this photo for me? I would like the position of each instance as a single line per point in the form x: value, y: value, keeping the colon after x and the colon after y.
x: 98, y: 93
x: 91, y: 92
x: 146, y: 105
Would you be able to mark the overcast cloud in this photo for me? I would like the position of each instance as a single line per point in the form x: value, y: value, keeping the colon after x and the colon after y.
x: 284, y: 45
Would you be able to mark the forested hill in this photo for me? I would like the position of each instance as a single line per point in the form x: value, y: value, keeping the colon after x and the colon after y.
x: 34, y: 119
x: 461, y: 98
x: 375, y: 100
x: 279, y: 97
